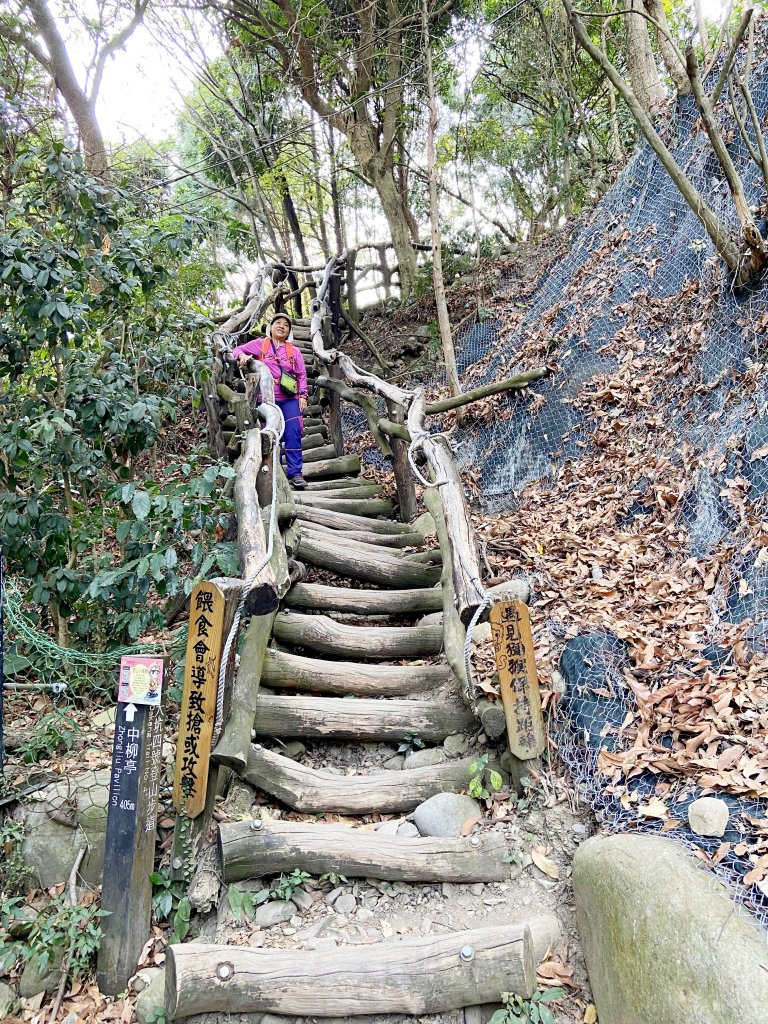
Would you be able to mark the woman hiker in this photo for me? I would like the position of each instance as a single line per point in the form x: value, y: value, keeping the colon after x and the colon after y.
x: 286, y: 364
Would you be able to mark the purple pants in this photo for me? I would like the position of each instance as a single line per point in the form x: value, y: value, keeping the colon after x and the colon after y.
x: 294, y: 427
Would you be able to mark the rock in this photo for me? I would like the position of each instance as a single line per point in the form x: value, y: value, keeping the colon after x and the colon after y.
x: 431, y: 619
x: 662, y: 938
x: 388, y: 828
x: 239, y: 801
x: 424, y: 758
x: 445, y: 813
x: 345, y: 904
x: 302, y: 899
x: 331, y: 897
x: 294, y: 750
x: 152, y: 998
x: 481, y: 633
x: 7, y: 1000
x: 35, y: 979
x: 455, y: 745
x: 408, y: 830
x: 50, y: 847
x: 364, y: 914
x: 511, y: 590
x: 394, y: 764
x: 708, y: 816
x: 424, y: 524
x: 143, y: 979
x: 276, y: 912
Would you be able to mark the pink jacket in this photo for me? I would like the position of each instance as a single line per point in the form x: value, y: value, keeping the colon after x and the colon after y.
x: 277, y: 359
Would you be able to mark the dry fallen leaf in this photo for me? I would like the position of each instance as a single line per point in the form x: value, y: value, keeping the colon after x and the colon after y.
x: 655, y: 808
x: 590, y: 1014
x: 543, y: 862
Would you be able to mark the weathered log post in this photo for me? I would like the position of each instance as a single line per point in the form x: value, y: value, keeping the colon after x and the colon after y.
x: 251, y: 541
x: 406, y: 489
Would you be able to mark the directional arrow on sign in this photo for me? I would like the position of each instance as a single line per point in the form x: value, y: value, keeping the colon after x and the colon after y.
x: 130, y: 712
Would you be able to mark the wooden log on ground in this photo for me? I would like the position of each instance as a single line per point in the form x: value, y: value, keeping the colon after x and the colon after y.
x: 321, y: 454
x: 360, y: 719
x: 251, y: 540
x: 332, y: 467
x: 344, y: 521
x: 350, y: 493
x: 344, y: 481
x: 384, y: 569
x: 350, y: 506
x: 310, y: 790
x: 312, y: 441
x: 281, y: 846
x: 312, y: 675
x: 313, y: 532
x: 432, y: 974
x: 380, y: 643
x: 366, y: 602
x: 394, y: 540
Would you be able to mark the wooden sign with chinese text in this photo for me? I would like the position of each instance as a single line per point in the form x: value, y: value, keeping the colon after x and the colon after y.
x: 198, y: 704
x: 129, y: 853
x: 519, y: 684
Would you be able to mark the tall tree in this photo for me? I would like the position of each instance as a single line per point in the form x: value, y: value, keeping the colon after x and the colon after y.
x: 352, y: 64
x: 33, y: 27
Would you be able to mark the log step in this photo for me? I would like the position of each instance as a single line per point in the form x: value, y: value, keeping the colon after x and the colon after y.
x: 345, y: 521
x: 344, y: 481
x: 376, y: 643
x: 321, y: 454
x: 351, y: 493
x: 394, y: 540
x: 353, y: 505
x: 282, y: 669
x: 311, y: 790
x: 312, y: 441
x: 272, y: 847
x: 332, y: 467
x: 361, y: 719
x: 430, y: 974
x: 365, y: 602
x: 385, y: 569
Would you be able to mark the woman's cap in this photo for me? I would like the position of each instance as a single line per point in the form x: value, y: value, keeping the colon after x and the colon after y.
x: 281, y: 316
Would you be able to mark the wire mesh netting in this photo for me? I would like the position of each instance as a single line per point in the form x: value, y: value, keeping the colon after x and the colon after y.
x: 645, y: 328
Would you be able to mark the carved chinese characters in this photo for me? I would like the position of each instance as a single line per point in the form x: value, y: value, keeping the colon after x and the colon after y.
x: 519, y: 684
x: 198, y: 706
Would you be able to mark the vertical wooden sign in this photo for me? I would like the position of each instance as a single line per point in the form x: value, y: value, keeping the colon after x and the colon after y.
x: 198, y: 704
x: 518, y: 681
x: 129, y: 852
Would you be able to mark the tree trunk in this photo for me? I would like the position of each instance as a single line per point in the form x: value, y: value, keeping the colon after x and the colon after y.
x: 392, y: 205
x: 82, y: 110
x: 675, y: 69
x: 446, y: 337
x: 641, y: 65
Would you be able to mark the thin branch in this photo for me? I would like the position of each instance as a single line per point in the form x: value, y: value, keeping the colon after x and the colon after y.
x: 731, y: 56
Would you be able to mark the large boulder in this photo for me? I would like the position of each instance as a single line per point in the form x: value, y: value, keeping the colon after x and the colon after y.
x: 61, y: 819
x: 662, y: 939
x: 445, y: 813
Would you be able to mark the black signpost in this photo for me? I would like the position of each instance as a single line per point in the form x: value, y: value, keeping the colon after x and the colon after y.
x: 130, y: 841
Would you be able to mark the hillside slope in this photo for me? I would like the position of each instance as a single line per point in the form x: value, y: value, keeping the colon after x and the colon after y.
x: 631, y: 488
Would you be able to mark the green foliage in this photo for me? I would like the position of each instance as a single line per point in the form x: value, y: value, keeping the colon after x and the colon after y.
x: 98, y: 351
x: 527, y: 1011
x: 13, y: 870
x: 410, y: 742
x: 482, y: 779
x: 289, y: 884
x: 332, y: 878
x: 169, y: 898
x: 56, y: 929
x: 55, y: 733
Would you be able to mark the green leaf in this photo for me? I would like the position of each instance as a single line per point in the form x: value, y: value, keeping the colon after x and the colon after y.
x: 499, y: 1017
x: 235, y: 898
x: 141, y: 504
x: 546, y: 1016
x: 495, y: 780
x: 551, y: 995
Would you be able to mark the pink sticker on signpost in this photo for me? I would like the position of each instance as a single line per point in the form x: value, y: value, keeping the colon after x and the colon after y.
x: 141, y: 680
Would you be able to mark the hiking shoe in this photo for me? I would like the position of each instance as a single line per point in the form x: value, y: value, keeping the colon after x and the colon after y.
x: 297, y: 482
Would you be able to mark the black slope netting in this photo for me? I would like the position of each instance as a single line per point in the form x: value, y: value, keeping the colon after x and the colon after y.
x: 643, y: 247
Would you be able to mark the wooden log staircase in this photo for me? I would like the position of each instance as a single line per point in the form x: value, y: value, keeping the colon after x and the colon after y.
x: 346, y: 661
